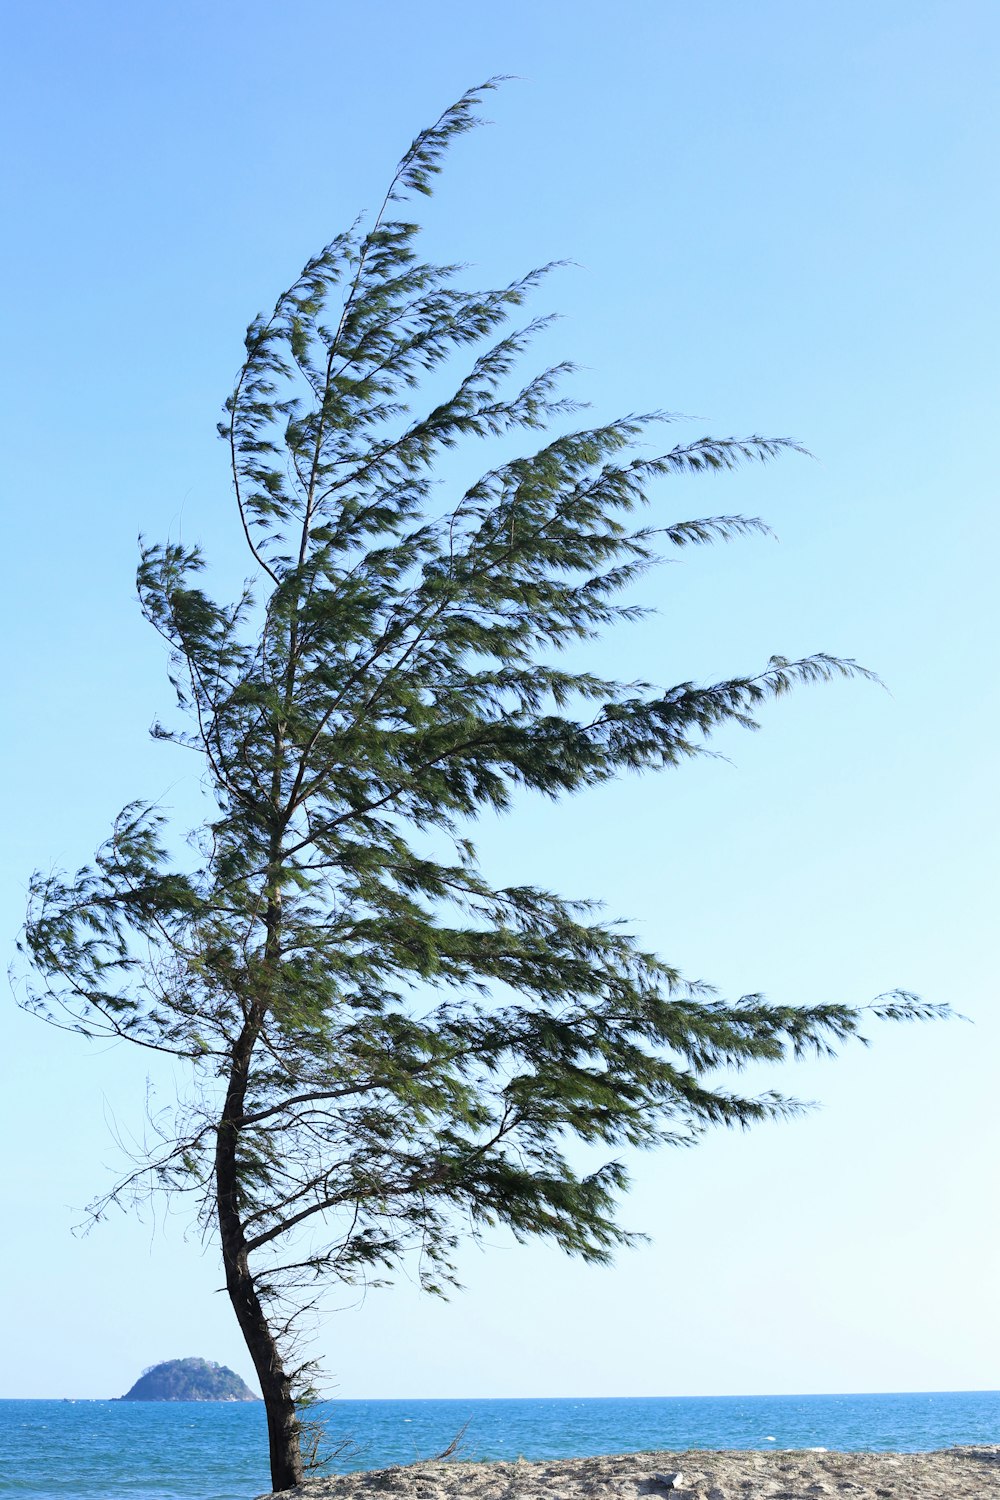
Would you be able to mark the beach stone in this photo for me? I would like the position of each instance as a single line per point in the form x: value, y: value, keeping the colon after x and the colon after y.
x: 966, y: 1473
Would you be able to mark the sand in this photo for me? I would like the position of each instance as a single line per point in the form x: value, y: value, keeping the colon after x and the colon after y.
x: 949, y: 1474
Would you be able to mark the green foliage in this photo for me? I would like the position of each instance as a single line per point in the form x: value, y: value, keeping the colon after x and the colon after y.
x: 398, y: 1051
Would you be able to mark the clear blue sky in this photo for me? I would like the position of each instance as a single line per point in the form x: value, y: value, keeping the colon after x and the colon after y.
x: 784, y: 220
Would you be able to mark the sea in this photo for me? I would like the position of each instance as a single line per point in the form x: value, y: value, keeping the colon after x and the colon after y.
x: 124, y: 1450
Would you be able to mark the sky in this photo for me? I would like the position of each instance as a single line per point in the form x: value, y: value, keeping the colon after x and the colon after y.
x: 781, y: 219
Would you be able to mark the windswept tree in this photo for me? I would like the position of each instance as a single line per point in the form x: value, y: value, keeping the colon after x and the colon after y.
x: 391, y: 1051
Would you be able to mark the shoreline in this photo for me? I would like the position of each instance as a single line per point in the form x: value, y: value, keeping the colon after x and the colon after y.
x: 961, y: 1473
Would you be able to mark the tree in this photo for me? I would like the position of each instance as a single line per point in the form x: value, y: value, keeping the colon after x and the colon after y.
x: 389, y: 1049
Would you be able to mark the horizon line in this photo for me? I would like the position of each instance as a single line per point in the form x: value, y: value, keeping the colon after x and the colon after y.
x: 718, y: 1396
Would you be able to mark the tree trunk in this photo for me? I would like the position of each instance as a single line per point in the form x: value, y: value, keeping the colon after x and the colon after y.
x: 283, y: 1428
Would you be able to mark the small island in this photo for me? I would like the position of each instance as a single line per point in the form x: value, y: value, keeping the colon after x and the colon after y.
x: 189, y: 1380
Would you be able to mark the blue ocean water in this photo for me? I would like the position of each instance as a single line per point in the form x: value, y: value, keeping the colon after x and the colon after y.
x: 114, y: 1450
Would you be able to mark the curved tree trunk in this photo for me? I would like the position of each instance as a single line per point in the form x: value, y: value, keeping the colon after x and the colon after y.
x: 283, y: 1428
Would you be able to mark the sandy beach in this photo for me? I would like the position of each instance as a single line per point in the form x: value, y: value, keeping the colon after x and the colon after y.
x: 949, y: 1474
